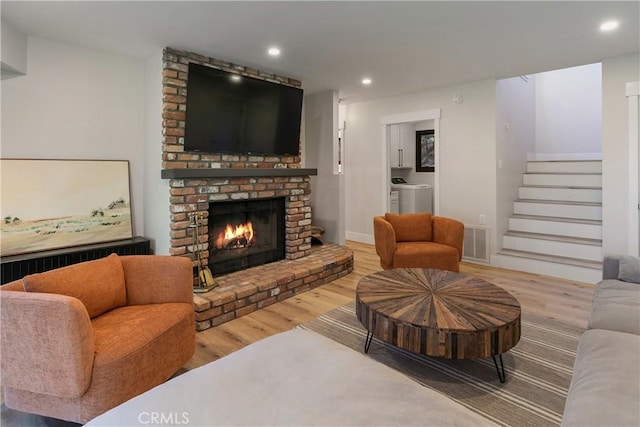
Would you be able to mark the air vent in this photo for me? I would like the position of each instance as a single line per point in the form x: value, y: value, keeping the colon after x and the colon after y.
x: 476, y: 243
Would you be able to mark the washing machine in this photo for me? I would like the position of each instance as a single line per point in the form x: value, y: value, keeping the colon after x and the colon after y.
x: 412, y: 197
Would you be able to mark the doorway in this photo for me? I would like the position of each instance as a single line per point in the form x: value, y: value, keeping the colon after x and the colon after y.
x: 416, y: 119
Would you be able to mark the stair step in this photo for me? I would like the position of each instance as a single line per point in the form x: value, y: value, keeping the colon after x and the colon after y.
x: 553, y: 237
x: 593, y: 195
x: 564, y: 166
x: 549, y: 244
x: 581, y: 228
x: 597, y: 265
x: 581, y: 210
x: 563, y: 180
x: 558, y: 219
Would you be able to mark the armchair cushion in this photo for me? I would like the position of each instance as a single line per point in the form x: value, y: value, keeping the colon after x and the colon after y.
x: 629, y: 269
x: 98, y: 284
x: 58, y: 320
x: 414, y: 227
x: 426, y: 255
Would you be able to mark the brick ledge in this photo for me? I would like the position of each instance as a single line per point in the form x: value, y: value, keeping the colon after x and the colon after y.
x: 246, y: 291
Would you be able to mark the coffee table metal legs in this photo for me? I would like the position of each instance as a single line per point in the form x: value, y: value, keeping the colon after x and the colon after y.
x: 367, y: 342
x: 500, y: 370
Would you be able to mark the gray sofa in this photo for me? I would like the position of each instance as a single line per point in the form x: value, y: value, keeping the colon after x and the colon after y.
x: 605, y: 386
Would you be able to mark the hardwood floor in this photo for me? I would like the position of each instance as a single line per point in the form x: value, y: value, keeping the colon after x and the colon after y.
x: 562, y: 300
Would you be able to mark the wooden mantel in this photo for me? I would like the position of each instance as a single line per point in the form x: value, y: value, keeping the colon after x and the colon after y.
x: 234, y: 172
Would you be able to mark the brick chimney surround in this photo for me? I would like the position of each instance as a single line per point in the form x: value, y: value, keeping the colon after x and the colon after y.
x: 197, y: 179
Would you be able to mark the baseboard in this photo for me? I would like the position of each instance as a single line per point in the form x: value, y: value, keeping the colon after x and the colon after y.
x: 360, y: 237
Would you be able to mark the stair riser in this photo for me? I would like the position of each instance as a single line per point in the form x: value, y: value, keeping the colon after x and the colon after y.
x: 587, y: 231
x: 561, y: 194
x: 563, y: 180
x: 550, y: 247
x: 569, y: 272
x: 558, y: 210
x: 565, y: 167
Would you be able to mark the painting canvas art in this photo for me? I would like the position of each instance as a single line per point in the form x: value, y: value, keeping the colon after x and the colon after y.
x: 51, y: 204
x: 425, y: 151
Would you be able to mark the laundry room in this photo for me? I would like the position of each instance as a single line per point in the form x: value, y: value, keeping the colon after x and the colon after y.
x: 412, y: 166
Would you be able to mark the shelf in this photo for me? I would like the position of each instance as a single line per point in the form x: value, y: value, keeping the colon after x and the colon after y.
x: 235, y: 172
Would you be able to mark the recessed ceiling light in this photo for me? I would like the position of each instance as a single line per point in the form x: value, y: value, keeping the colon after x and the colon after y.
x: 273, y: 51
x: 236, y: 78
x: 366, y: 81
x: 609, y: 26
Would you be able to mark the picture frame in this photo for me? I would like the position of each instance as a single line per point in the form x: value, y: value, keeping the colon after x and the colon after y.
x: 53, y: 204
x: 425, y: 151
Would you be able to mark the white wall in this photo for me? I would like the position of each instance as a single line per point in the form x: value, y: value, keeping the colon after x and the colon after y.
x: 157, y: 222
x: 569, y: 110
x: 327, y: 188
x: 616, y: 72
x: 76, y: 103
x: 467, y: 154
x: 515, y: 137
x: 14, y: 51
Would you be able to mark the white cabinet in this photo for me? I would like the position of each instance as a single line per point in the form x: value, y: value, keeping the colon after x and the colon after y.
x: 401, y: 146
x: 394, y: 204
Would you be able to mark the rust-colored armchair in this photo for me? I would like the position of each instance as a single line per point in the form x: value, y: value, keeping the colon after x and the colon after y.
x: 418, y: 240
x: 79, y: 340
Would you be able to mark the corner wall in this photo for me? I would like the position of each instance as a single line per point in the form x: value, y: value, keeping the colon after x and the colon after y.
x: 77, y: 103
x: 569, y: 110
x: 515, y: 137
x: 467, y: 155
x: 616, y: 72
x: 327, y: 188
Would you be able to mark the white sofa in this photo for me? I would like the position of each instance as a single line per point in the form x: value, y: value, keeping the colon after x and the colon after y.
x: 605, y: 386
x: 295, y: 378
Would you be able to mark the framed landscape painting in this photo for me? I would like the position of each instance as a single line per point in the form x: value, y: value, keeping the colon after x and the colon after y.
x: 425, y: 151
x: 51, y: 204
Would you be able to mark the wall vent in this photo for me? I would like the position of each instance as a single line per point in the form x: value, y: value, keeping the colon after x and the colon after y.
x: 476, y: 243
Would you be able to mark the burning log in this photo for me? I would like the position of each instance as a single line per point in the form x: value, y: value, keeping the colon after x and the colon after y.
x: 235, y: 243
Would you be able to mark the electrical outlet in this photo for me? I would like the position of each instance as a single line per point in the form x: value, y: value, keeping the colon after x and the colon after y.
x: 482, y: 219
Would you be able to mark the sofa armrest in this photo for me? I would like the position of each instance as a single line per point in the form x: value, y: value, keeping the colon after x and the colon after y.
x: 448, y: 232
x: 47, y: 344
x: 156, y: 279
x: 385, y: 239
x: 610, y: 266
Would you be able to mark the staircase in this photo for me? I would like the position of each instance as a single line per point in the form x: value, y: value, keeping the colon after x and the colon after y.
x: 556, y: 227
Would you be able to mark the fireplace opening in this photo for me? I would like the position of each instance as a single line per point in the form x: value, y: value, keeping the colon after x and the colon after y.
x: 246, y: 233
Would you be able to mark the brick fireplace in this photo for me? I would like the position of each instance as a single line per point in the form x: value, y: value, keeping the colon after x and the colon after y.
x: 199, y: 181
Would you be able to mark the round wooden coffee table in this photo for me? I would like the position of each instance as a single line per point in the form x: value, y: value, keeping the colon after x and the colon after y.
x: 438, y: 313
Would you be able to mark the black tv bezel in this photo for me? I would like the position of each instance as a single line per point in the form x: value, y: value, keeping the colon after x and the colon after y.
x: 217, y: 72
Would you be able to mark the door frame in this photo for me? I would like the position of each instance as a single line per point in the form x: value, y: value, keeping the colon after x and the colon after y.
x: 411, y: 117
x: 633, y: 97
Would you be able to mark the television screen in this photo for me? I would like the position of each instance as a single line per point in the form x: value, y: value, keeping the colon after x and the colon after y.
x: 229, y: 113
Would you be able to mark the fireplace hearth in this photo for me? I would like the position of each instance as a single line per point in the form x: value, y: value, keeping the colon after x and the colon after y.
x: 246, y: 233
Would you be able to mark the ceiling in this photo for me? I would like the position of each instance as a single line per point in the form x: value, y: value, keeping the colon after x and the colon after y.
x: 402, y: 46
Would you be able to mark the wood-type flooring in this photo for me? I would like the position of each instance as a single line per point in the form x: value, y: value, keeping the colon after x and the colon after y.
x: 562, y: 300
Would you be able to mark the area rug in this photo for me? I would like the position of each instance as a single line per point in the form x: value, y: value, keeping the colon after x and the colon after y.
x: 538, y: 369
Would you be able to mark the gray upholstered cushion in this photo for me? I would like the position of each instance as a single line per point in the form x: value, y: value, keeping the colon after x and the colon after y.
x: 616, y: 307
x: 605, y: 390
x: 629, y: 269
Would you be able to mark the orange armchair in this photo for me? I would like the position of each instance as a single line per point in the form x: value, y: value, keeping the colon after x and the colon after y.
x: 418, y: 240
x: 79, y: 340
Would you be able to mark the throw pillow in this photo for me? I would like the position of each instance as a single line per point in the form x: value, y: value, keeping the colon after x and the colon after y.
x: 629, y: 269
x: 412, y: 227
x: 98, y: 284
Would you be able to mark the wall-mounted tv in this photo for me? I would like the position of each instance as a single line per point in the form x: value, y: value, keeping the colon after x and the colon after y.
x: 229, y: 113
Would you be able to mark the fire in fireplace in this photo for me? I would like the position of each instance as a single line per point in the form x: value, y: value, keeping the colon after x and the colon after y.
x: 246, y: 233
x: 240, y: 236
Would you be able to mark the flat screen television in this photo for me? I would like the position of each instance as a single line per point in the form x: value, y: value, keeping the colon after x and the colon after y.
x: 229, y: 113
